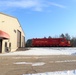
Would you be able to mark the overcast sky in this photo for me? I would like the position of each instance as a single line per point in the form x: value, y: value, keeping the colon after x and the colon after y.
x: 40, y: 18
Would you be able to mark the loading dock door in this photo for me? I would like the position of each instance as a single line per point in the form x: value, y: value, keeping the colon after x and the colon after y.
x: 23, y: 41
x: 18, y: 38
x: 0, y: 46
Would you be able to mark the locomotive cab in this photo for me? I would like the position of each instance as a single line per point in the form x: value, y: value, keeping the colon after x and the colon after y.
x: 64, y: 42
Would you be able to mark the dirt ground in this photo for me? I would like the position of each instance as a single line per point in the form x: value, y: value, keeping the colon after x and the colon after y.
x: 8, y: 66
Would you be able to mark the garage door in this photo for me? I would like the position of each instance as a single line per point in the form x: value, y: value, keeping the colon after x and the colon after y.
x: 18, y: 38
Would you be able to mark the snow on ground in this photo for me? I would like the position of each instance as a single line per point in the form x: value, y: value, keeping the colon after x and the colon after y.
x: 45, y: 51
x: 69, y: 72
x: 33, y: 64
x: 63, y: 61
x: 38, y: 64
x: 42, y: 63
x: 23, y: 63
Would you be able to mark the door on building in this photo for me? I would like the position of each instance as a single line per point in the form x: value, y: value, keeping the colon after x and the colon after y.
x: 18, y: 38
x: 0, y: 45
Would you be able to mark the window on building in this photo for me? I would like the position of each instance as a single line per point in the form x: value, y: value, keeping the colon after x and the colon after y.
x: 6, y: 48
x: 5, y: 44
x: 9, y: 45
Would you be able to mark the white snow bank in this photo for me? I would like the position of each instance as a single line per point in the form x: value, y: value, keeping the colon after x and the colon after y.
x: 69, y: 72
x: 45, y: 51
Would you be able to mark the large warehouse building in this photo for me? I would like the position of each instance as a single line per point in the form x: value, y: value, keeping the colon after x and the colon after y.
x: 12, y: 36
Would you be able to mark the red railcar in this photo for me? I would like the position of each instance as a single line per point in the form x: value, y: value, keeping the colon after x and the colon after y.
x: 51, y: 42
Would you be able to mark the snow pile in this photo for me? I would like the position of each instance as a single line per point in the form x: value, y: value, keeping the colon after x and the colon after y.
x: 72, y: 72
x: 45, y: 51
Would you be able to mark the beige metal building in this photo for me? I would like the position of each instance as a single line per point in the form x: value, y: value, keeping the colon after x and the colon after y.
x: 11, y: 34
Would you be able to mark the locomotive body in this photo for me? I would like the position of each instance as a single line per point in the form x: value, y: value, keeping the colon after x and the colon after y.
x: 50, y: 42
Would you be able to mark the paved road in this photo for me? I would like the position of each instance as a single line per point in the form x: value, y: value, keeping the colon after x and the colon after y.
x: 19, y: 65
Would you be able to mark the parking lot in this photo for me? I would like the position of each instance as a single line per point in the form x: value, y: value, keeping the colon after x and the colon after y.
x: 19, y: 65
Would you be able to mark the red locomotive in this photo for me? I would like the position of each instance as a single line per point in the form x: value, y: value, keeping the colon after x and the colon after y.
x: 50, y: 42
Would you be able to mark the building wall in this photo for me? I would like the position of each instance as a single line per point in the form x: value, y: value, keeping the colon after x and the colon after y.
x: 11, y: 25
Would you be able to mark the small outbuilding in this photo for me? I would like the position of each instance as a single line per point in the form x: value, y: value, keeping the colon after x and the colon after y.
x: 12, y: 35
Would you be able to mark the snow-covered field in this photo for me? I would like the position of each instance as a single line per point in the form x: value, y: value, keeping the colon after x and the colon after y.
x: 69, y: 72
x: 45, y: 51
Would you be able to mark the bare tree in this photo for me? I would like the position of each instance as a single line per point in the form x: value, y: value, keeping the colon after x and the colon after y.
x: 67, y: 36
x: 62, y: 35
x: 49, y: 37
x: 73, y: 41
